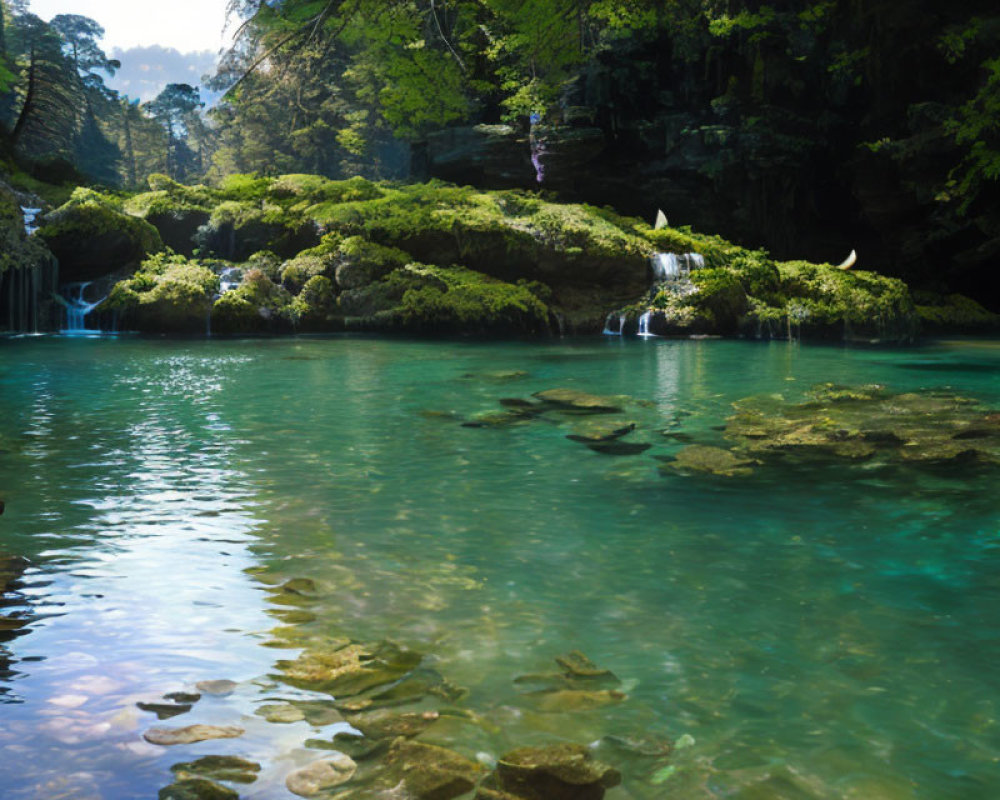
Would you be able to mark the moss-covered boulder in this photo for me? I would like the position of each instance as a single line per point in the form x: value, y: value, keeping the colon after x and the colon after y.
x: 168, y: 294
x: 954, y: 313
x: 360, y: 262
x: 555, y: 772
x: 92, y: 236
x: 315, y: 308
x: 236, y: 230
x: 257, y: 305
x: 175, y: 210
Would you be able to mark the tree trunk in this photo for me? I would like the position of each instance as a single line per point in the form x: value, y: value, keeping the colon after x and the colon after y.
x: 129, y: 149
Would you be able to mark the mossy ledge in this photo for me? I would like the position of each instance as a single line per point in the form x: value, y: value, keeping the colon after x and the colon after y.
x: 315, y: 254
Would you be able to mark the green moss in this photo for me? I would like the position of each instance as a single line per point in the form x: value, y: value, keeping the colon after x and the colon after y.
x: 168, y: 293
x: 463, y: 301
x: 233, y: 313
x: 316, y: 306
x: 245, y: 188
x: 90, y: 235
x: 297, y: 272
x: 954, y: 312
x: 237, y: 229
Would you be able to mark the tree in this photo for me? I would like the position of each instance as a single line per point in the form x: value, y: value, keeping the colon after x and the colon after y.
x: 173, y: 109
x: 46, y: 121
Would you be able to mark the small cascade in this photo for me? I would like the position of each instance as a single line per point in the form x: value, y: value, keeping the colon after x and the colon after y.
x: 77, y: 309
x: 230, y: 278
x: 30, y: 217
x: 676, y: 266
x: 614, y: 316
x: 644, y: 324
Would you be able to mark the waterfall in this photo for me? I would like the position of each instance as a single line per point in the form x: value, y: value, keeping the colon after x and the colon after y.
x: 77, y: 309
x: 674, y: 266
x: 30, y: 216
x: 644, y: 324
x: 620, y: 318
x: 230, y: 278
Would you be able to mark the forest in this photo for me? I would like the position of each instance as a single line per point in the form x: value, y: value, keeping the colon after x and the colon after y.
x: 802, y: 127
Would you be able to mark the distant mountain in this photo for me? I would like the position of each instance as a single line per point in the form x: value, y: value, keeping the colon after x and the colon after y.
x: 146, y: 70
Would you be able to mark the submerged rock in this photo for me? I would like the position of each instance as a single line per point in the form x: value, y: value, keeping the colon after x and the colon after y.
x: 218, y: 768
x: 350, y: 669
x: 597, y: 431
x: 566, y: 700
x: 619, y: 448
x: 713, y: 460
x: 281, y: 713
x: 578, y: 401
x: 220, y: 688
x: 554, y: 772
x: 320, y: 775
x: 191, y: 733
x: 578, y: 665
x: 184, y: 698
x: 429, y: 772
x: 165, y: 710
x: 389, y: 725
x: 845, y: 423
x: 197, y: 789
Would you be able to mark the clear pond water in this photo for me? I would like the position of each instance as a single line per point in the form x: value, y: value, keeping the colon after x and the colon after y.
x: 806, y: 634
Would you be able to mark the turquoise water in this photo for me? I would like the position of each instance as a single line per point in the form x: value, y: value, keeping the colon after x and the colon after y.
x: 823, y: 633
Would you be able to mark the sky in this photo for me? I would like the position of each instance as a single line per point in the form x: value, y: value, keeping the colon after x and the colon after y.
x: 186, y: 25
x: 157, y: 42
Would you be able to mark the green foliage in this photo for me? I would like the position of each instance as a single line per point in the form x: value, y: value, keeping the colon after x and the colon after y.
x: 976, y: 128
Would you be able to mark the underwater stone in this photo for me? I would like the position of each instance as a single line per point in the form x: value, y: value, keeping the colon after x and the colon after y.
x: 429, y: 772
x: 190, y: 734
x: 389, y: 725
x: 565, y: 700
x: 216, y: 688
x: 619, y: 448
x: 351, y: 669
x: 713, y: 460
x: 578, y: 401
x: 595, y: 431
x: 280, y: 713
x: 578, y: 665
x: 184, y: 698
x: 554, y: 772
x: 219, y: 768
x: 197, y: 789
x: 325, y: 774
x: 165, y: 710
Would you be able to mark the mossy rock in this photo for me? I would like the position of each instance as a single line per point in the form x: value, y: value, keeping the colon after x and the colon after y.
x: 429, y: 772
x: 256, y: 305
x: 350, y: 669
x: 360, y: 262
x: 954, y: 313
x: 236, y: 230
x: 554, y: 772
x: 197, y: 789
x: 315, y: 309
x: 168, y: 294
x: 92, y: 237
x: 301, y: 269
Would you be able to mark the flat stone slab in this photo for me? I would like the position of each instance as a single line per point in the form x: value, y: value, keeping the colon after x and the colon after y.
x: 191, y: 733
x: 320, y: 775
